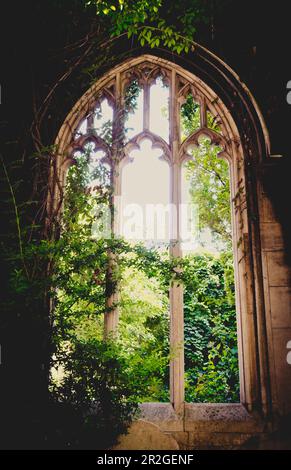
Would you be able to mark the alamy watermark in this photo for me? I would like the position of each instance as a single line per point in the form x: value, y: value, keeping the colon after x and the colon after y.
x: 156, y: 223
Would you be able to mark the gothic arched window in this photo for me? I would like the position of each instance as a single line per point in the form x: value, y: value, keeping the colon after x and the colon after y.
x: 153, y: 123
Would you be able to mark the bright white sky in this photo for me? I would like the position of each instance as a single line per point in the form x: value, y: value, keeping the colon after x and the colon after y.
x: 145, y: 182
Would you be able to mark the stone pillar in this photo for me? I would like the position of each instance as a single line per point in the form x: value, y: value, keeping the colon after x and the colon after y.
x: 176, y: 289
x: 111, y: 315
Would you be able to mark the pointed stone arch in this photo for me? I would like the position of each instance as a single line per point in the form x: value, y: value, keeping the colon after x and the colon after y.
x: 245, y: 144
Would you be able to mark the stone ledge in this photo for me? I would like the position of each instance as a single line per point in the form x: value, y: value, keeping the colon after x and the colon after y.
x: 203, y: 426
x: 221, y: 417
x: 202, y: 417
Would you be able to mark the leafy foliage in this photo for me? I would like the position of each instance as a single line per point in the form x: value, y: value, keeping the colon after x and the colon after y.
x: 211, y: 355
x: 210, y: 329
x: 154, y: 22
x: 97, y: 389
x: 209, y: 178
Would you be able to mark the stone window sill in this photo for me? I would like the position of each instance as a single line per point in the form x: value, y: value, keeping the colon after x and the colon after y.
x: 202, y: 417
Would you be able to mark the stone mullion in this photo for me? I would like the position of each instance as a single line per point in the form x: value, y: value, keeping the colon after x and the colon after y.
x: 203, y: 113
x: 111, y: 316
x: 146, y: 106
x: 176, y: 289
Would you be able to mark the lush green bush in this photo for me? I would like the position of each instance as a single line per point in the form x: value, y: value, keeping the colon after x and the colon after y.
x: 94, y: 388
x: 211, y: 358
x: 144, y: 333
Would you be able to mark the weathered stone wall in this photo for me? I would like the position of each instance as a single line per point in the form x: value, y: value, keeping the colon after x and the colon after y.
x: 277, y: 289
